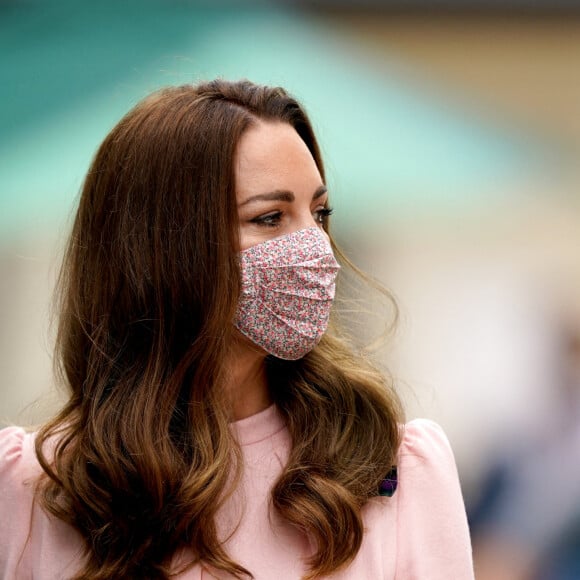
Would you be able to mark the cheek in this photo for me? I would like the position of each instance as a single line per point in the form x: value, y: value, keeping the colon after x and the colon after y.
x: 248, y: 237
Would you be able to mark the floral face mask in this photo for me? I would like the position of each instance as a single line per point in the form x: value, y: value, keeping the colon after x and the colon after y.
x: 287, y: 292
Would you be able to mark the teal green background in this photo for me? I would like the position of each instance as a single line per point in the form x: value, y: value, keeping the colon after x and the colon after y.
x: 392, y: 143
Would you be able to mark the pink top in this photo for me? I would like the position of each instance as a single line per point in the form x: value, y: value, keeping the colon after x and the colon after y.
x: 420, y: 532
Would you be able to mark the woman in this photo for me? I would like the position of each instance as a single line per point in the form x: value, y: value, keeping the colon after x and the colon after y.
x: 215, y: 427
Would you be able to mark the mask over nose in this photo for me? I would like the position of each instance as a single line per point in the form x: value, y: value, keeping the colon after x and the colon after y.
x: 288, y: 287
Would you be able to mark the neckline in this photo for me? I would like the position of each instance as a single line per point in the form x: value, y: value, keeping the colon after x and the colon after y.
x: 259, y: 426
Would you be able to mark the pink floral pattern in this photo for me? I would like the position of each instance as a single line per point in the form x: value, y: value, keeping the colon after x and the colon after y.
x: 288, y: 287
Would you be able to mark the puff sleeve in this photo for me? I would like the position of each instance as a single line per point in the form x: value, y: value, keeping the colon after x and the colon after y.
x: 432, y: 531
x: 15, y: 498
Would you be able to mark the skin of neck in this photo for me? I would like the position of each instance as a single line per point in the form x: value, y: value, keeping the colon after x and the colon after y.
x: 247, y: 385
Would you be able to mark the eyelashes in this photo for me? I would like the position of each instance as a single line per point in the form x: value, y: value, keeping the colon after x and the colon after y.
x: 268, y: 220
x: 273, y: 219
x: 323, y: 213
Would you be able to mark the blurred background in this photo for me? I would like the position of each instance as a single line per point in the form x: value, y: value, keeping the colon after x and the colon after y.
x: 451, y: 133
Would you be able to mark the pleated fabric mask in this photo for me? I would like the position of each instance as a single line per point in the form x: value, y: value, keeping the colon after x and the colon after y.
x: 288, y: 286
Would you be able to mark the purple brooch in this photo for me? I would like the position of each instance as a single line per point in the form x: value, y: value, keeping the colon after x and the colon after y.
x: 388, y: 486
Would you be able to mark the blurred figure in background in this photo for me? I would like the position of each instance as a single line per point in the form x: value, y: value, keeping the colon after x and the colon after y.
x: 526, y: 522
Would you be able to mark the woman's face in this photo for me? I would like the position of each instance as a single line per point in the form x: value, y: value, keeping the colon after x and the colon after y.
x: 278, y: 187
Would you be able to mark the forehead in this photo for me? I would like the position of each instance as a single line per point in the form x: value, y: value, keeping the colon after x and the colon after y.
x: 270, y: 156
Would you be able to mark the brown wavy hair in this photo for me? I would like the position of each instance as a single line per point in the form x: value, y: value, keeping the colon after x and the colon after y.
x: 140, y: 458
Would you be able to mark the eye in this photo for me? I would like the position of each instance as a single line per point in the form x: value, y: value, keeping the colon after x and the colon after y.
x: 270, y: 220
x: 320, y: 215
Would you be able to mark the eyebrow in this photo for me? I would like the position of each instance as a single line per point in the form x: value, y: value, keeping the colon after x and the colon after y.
x: 281, y: 195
